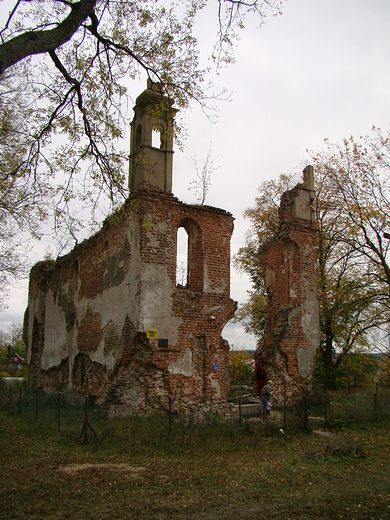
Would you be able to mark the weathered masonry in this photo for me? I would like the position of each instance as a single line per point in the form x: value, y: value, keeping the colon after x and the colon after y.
x: 289, y: 268
x: 109, y: 319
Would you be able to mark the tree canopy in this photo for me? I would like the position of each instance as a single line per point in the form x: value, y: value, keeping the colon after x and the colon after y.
x: 65, y: 68
x: 352, y: 213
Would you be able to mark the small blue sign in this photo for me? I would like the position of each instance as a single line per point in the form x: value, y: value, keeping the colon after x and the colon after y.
x: 215, y: 366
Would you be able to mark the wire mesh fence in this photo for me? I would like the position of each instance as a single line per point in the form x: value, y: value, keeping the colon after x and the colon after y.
x: 81, y: 417
x: 320, y: 408
x: 54, y: 410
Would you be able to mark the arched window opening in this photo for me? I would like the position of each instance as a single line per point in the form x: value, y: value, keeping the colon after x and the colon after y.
x: 189, y: 259
x: 156, y: 139
x: 138, y: 136
x: 182, y: 258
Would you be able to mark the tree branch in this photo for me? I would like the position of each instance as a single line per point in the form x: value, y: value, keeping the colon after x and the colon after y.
x: 9, y: 18
x: 30, y: 43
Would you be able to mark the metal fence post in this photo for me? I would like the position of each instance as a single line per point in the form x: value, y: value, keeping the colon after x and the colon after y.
x: 325, y: 406
x: 87, y: 425
x: 170, y: 416
x: 59, y: 410
x: 20, y: 400
x: 36, y: 404
x: 86, y: 420
x: 305, y: 416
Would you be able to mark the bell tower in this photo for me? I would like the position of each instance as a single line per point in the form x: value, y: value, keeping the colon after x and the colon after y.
x: 151, y: 162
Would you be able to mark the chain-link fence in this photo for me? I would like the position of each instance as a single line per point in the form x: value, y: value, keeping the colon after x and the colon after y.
x: 80, y: 416
x: 323, y: 408
x: 55, y: 410
x: 70, y: 413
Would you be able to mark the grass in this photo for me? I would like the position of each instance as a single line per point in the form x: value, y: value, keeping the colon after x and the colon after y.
x: 205, y: 471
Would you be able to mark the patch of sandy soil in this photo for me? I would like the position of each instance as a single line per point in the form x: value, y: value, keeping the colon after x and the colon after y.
x: 324, y: 433
x: 71, y: 469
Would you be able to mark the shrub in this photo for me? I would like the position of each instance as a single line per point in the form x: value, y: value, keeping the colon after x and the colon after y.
x: 240, y: 369
x: 357, y: 369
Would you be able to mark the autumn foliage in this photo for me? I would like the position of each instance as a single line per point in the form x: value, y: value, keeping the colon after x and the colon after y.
x: 240, y: 369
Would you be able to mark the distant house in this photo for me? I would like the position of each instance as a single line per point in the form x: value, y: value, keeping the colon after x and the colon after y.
x: 251, y: 363
x: 14, y: 363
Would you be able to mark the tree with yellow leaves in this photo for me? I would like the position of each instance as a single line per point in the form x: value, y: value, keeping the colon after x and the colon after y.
x: 240, y: 369
x: 353, y: 212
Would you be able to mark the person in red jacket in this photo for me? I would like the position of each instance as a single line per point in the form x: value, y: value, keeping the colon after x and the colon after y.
x: 260, y: 377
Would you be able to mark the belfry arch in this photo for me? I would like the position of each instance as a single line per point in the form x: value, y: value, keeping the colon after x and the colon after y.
x: 151, y: 141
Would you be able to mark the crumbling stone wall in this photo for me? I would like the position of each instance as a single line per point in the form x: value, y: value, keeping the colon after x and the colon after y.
x: 108, y: 319
x: 89, y: 312
x: 289, y: 269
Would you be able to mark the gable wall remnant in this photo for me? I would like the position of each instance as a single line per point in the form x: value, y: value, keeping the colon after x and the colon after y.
x: 289, y: 268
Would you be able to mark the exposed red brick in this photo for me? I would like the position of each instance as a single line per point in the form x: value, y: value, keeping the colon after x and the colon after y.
x: 289, y: 269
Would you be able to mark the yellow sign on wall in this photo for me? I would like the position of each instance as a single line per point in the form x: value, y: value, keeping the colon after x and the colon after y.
x: 151, y: 333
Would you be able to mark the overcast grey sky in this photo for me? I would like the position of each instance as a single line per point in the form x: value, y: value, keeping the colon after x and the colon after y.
x: 321, y: 70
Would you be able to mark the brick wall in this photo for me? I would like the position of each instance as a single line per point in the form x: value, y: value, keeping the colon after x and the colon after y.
x: 289, y: 268
x: 89, y: 313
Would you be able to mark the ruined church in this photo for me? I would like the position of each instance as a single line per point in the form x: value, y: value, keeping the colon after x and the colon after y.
x: 109, y: 319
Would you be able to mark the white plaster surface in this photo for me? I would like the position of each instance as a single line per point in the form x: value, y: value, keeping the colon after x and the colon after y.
x: 215, y: 384
x: 311, y: 327
x: 116, y: 302
x: 293, y: 314
x: 112, y: 304
x: 301, y: 205
x: 183, y: 365
x: 269, y: 278
x: 207, y: 285
x: 156, y: 304
x: 99, y: 357
x: 55, y: 347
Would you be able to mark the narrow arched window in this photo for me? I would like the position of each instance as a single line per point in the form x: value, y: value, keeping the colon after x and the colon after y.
x: 182, y: 258
x: 156, y: 139
x: 138, y: 136
x: 189, y: 257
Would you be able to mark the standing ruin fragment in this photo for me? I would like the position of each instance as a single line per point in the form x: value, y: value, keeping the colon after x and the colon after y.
x: 109, y: 319
x: 289, y: 270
